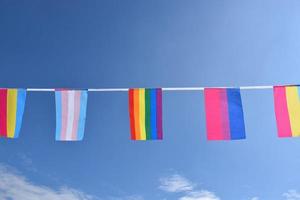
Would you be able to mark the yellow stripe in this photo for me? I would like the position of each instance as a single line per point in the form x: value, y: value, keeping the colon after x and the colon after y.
x: 11, y: 111
x: 142, y: 114
x: 294, y: 109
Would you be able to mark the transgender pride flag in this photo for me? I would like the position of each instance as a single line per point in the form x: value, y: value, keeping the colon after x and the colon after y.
x: 70, y: 114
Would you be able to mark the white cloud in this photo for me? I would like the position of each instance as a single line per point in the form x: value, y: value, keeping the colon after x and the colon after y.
x: 291, y: 195
x: 175, y: 183
x: 14, y: 186
x: 200, y: 195
x: 179, y: 184
x: 254, y: 198
x: 132, y: 197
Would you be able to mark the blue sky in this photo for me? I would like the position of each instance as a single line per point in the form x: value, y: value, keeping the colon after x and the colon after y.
x: 133, y: 43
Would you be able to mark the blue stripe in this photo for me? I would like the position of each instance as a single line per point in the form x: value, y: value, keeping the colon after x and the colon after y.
x: 82, y: 114
x: 236, y: 116
x: 58, y: 114
x: 21, y: 98
x: 298, y: 88
x: 153, y: 114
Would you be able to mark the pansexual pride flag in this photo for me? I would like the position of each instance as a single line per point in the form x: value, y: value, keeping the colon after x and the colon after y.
x: 224, y: 114
x: 145, y: 111
x: 12, y: 103
x: 70, y: 114
x: 287, y: 110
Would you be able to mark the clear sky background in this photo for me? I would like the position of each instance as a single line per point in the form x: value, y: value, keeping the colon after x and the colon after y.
x: 159, y: 43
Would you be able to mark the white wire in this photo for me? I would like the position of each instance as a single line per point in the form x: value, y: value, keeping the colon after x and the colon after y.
x: 164, y: 89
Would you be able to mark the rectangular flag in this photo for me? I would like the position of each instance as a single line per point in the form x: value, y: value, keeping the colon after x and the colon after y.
x: 12, y: 104
x: 287, y: 110
x: 145, y: 112
x: 224, y: 114
x: 70, y: 114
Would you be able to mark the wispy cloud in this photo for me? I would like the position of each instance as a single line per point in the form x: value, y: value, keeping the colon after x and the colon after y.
x: 200, y: 195
x: 132, y: 197
x: 175, y: 183
x: 179, y: 184
x: 254, y: 198
x: 26, y: 161
x: 291, y: 195
x: 15, y: 186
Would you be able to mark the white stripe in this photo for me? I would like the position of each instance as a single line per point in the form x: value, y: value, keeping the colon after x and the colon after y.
x: 71, y: 97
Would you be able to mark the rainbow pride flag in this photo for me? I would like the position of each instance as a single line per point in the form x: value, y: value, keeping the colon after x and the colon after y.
x: 224, y: 114
x: 145, y: 112
x: 12, y: 103
x: 70, y: 114
x: 287, y: 110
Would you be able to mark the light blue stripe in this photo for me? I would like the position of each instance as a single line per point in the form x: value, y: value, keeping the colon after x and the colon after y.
x: 58, y: 114
x: 82, y: 114
x: 21, y: 98
x: 153, y: 114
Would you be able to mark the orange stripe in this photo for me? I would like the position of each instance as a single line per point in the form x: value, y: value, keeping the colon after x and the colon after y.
x: 137, y: 114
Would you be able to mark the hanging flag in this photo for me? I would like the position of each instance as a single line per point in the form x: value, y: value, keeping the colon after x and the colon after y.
x: 12, y: 103
x: 145, y: 111
x: 224, y: 114
x: 287, y: 110
x: 70, y: 114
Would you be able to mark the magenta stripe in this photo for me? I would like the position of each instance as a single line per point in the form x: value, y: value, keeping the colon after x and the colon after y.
x: 159, y: 114
x: 76, y: 115
x: 213, y: 113
x: 281, y: 112
x: 64, y: 114
x: 224, y: 115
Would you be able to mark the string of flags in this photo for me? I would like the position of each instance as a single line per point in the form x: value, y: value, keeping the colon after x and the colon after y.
x: 223, y: 112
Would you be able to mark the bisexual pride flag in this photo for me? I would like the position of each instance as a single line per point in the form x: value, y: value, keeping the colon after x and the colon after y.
x: 145, y: 112
x: 70, y: 114
x: 224, y: 114
x: 287, y: 110
x: 12, y: 104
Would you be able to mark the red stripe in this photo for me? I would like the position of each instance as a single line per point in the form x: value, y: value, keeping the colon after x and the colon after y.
x: 131, y: 113
x: 3, y: 112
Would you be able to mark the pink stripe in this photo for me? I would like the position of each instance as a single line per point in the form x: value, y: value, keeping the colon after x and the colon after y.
x: 213, y: 114
x: 64, y: 114
x: 225, y: 129
x: 281, y: 112
x: 76, y: 114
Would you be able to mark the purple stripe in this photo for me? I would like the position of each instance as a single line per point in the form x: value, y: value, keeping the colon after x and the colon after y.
x: 224, y: 115
x: 159, y: 114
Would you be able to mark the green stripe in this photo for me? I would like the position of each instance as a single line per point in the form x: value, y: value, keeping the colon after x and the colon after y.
x: 148, y: 113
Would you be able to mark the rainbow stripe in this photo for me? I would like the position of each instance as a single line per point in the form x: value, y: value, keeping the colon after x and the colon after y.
x: 12, y: 103
x: 224, y: 114
x: 70, y: 114
x: 287, y: 110
x: 145, y: 112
